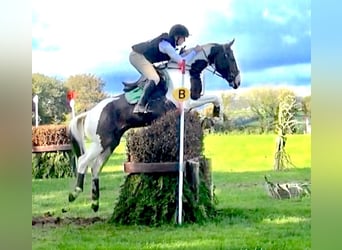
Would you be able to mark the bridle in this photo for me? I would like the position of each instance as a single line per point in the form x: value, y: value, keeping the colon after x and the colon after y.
x: 212, y: 69
x: 212, y: 63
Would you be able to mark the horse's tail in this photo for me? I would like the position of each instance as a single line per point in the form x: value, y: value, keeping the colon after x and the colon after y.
x: 76, y: 133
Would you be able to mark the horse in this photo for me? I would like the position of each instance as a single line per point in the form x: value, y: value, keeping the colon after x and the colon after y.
x: 105, y: 123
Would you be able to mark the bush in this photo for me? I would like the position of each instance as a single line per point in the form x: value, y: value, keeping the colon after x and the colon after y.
x: 50, y: 135
x: 51, y: 164
x: 160, y: 141
x: 152, y: 198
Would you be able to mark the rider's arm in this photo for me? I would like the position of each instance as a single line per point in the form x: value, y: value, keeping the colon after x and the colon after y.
x: 166, y: 47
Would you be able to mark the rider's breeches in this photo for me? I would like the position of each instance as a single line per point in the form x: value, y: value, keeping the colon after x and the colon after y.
x: 144, y: 66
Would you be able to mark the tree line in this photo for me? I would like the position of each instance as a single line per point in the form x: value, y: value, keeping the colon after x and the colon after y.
x: 256, y: 109
x: 53, y: 105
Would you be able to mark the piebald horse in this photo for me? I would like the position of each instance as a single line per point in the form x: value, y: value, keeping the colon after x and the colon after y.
x: 104, y: 124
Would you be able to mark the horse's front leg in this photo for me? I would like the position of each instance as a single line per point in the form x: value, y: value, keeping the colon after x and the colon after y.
x: 95, y: 194
x: 206, y: 99
x: 95, y: 184
x: 81, y: 170
x: 78, y: 189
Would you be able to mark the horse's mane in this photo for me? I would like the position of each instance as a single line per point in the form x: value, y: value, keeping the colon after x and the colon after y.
x: 204, y: 46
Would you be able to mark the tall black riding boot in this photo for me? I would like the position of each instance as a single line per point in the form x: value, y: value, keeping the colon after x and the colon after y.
x: 140, y: 107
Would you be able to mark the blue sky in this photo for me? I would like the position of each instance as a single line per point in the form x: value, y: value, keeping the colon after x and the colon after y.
x: 272, y: 38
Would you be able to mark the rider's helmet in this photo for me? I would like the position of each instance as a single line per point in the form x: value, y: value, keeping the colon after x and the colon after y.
x: 179, y: 30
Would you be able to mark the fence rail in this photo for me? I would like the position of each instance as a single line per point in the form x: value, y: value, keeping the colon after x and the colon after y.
x: 51, y: 148
x: 153, y: 167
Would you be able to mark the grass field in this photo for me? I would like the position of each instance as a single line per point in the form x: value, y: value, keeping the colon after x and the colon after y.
x: 248, y: 218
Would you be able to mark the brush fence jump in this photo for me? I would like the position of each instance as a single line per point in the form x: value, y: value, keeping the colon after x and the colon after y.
x: 191, y: 171
x: 149, y: 194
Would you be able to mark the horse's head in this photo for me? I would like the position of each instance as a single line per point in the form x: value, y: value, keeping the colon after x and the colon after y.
x: 222, y: 58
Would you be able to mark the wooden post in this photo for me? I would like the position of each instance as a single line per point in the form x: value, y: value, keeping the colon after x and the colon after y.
x: 192, y: 175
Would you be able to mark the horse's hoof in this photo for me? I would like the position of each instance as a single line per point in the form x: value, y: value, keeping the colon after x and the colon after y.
x: 95, y: 207
x: 71, y: 197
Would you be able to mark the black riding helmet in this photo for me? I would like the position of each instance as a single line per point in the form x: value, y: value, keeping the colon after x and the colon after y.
x: 179, y: 30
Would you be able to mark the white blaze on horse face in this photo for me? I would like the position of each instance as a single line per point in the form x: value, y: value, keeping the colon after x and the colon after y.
x: 237, y: 79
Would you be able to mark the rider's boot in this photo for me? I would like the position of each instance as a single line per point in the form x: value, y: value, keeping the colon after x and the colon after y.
x: 196, y: 88
x: 140, y: 107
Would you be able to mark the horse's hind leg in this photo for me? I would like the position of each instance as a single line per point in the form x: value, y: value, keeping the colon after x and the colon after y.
x: 83, y: 162
x: 95, y: 170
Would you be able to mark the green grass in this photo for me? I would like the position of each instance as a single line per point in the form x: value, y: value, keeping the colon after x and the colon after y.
x: 248, y: 218
x: 238, y: 153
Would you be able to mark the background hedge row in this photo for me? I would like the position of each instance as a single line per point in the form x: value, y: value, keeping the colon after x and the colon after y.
x: 54, y: 164
x: 50, y: 135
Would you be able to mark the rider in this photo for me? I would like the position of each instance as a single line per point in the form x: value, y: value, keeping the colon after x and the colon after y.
x: 161, y: 48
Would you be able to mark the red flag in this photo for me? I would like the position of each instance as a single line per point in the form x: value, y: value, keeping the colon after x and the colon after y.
x: 71, y: 95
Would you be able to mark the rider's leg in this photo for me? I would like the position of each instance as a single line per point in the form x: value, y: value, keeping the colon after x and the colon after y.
x: 145, y: 68
x: 140, y: 107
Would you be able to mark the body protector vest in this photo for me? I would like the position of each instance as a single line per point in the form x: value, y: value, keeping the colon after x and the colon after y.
x: 150, y: 49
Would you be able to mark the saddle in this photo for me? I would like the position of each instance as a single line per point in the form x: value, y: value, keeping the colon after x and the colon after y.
x: 128, y: 86
x: 133, y: 90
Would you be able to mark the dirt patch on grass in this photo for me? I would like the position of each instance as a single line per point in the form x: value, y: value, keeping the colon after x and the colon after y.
x: 50, y: 220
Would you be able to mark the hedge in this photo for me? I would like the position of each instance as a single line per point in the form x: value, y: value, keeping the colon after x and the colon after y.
x: 152, y: 198
x: 47, y: 163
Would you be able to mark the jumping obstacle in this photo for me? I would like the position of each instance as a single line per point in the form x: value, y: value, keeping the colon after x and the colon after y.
x: 51, y: 152
x: 149, y: 193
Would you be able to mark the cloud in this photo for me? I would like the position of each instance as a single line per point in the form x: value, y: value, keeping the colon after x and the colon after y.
x: 288, y: 39
x: 75, y: 37
x: 90, y: 33
x: 291, y: 75
x: 273, y: 17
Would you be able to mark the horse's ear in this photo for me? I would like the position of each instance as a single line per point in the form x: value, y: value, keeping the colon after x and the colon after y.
x: 228, y: 45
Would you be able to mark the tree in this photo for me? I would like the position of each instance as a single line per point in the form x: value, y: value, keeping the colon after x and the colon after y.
x: 89, y: 91
x: 306, y: 106
x: 51, y: 99
x: 264, y: 103
x: 285, y: 125
x: 227, y: 101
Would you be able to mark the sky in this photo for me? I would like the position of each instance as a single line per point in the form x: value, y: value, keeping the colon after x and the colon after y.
x: 272, y: 38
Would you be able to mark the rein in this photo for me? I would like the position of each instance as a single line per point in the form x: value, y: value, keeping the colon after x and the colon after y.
x: 213, y: 70
x: 211, y: 65
x: 164, y: 65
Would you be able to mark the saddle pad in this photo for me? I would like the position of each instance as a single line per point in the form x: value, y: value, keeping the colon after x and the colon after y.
x: 133, y: 95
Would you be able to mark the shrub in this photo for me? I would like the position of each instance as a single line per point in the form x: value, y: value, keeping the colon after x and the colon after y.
x: 51, y: 164
x: 152, y: 198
